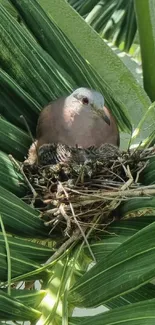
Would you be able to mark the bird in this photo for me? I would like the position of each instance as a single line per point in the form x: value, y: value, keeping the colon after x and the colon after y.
x: 56, y: 153
x: 80, y: 120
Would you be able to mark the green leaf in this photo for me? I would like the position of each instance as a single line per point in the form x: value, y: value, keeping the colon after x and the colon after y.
x: 30, y: 298
x: 141, y: 206
x: 145, y: 292
x: 148, y: 175
x: 55, y: 42
x: 33, y: 73
x: 117, y: 233
x: 125, y: 269
x: 16, y: 310
x: 83, y: 7
x: 9, y: 8
x: 19, y: 218
x: 26, y: 62
x: 145, y: 11
x: 25, y: 257
x: 120, y: 82
x: 129, y: 61
x: 15, y: 101
x: 13, y: 140
x: 10, y: 178
x: 114, y: 20
x: 136, y: 314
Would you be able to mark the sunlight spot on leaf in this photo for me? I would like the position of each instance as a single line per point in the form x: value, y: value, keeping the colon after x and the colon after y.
x: 135, y: 132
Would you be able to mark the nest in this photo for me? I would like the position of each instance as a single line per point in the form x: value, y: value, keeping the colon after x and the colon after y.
x: 78, y: 190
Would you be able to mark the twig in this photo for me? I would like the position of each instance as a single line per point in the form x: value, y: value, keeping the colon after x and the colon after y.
x: 128, y: 174
x: 77, y: 223
x: 110, y: 171
x: 28, y: 128
x: 57, y: 221
x: 34, y: 142
x: 138, y: 173
x: 76, y: 236
x: 51, y: 222
x: 20, y: 168
x: 107, y: 195
x: 67, y: 218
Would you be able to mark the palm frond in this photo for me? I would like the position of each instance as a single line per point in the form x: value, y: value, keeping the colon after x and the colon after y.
x: 43, y: 58
x: 113, y: 20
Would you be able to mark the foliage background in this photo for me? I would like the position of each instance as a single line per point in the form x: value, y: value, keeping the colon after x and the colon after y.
x: 46, y: 50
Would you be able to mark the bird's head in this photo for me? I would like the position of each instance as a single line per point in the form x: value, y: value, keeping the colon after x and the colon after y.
x: 92, y: 99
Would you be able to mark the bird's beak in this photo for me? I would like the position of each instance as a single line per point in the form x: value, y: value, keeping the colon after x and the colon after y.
x: 106, y: 118
x: 102, y: 114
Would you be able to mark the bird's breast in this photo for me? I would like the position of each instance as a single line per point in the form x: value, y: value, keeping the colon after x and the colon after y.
x: 83, y: 129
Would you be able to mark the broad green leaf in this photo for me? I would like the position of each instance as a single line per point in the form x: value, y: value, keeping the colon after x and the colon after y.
x: 138, y: 207
x: 26, y: 62
x: 117, y: 233
x: 10, y: 178
x: 131, y: 25
x: 19, y: 266
x: 136, y: 314
x: 55, y: 42
x: 9, y: 8
x: 16, y: 102
x: 121, y: 84
x: 19, y: 218
x: 83, y: 7
x: 145, y: 11
x: 148, y: 175
x: 25, y: 256
x: 130, y: 63
x: 115, y: 20
x: 57, y: 287
x: 125, y: 269
x: 34, y: 251
x: 143, y: 293
x: 31, y: 76
x: 98, y: 17
x: 30, y: 298
x: 12, y: 309
x: 13, y: 140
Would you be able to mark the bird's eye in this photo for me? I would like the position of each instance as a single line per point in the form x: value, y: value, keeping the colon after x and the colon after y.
x: 85, y: 100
